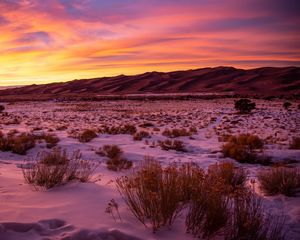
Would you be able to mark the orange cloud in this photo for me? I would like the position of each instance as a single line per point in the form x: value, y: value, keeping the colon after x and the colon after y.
x: 60, y: 40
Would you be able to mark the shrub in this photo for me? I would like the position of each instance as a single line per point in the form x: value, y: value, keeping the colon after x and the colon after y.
x: 208, y: 209
x: 56, y: 168
x: 87, y: 135
x: 2, y: 108
x: 118, y: 164
x: 51, y: 140
x: 115, y: 162
x: 191, y: 175
x: 213, y: 211
x: 22, y: 143
x: 172, y: 145
x: 249, y: 220
x: 110, y: 151
x: 287, y: 105
x: 18, y: 144
x: 242, y: 148
x: 128, y: 129
x: 295, y: 144
x: 280, y: 180
x: 146, y: 125
x: 114, y: 130
x: 138, y: 136
x: 231, y: 175
x: 156, y: 196
x: 298, y: 106
x: 151, y: 194
x: 244, y: 105
x: 174, y: 133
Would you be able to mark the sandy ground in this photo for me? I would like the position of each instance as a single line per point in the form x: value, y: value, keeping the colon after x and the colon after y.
x: 77, y: 210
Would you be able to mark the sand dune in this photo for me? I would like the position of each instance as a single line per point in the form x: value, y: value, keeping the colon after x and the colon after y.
x: 264, y: 81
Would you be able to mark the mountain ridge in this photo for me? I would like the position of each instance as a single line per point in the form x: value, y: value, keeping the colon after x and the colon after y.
x: 261, y: 81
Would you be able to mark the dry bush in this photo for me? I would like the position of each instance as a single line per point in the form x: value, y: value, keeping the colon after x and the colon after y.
x: 252, y: 141
x: 18, y: 144
x: 156, y: 196
x: 174, y: 133
x: 193, y: 130
x: 56, y: 168
x: 151, y: 194
x: 51, y: 140
x: 138, y: 136
x: 115, y: 162
x: 243, y: 148
x: 231, y: 175
x: 128, y: 129
x: 295, y: 144
x: 169, y: 144
x: 118, y: 164
x: 110, y: 151
x: 123, y: 129
x: 191, y: 175
x: 146, y: 125
x: 244, y: 105
x: 215, y: 211
x: 280, y: 180
x: 249, y: 220
x: 287, y: 105
x: 87, y: 135
x: 208, y: 211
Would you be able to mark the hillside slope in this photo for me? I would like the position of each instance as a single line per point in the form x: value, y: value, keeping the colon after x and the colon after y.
x: 264, y: 81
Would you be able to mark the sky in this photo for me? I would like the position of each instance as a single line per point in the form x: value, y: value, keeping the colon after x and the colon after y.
x: 45, y: 41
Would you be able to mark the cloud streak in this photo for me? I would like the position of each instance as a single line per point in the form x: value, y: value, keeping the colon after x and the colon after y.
x: 59, y: 40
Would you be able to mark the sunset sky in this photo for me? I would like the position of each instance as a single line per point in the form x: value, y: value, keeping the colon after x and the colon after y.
x: 58, y: 40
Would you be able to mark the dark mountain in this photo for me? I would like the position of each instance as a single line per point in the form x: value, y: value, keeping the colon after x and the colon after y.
x: 261, y: 81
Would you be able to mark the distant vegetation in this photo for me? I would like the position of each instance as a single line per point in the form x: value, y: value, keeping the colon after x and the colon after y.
x: 287, y: 105
x: 244, y: 105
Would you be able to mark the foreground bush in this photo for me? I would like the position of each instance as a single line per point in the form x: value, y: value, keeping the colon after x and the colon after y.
x: 213, y: 212
x: 18, y: 144
x: 156, y: 196
x: 208, y: 210
x: 151, y: 194
x: 280, y: 180
x: 231, y: 175
x: 56, y: 168
x: 249, y: 219
x: 244, y: 105
x: 243, y: 148
x: 2, y: 108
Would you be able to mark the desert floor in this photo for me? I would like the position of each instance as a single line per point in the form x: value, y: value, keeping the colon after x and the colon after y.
x: 77, y: 210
